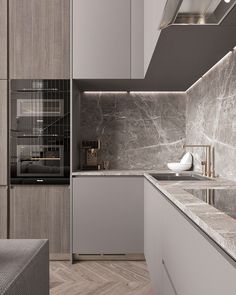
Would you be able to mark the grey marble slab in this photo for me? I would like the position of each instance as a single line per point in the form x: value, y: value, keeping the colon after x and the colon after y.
x: 115, y: 172
x: 211, y: 116
x: 216, y: 224
x: 137, y: 130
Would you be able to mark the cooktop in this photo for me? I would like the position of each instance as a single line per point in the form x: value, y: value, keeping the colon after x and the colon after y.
x: 222, y: 199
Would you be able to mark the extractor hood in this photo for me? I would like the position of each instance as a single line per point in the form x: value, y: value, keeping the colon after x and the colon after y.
x: 195, y: 12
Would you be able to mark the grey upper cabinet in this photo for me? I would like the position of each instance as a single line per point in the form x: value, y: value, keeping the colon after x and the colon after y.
x: 153, y: 11
x: 137, y: 39
x: 3, y: 212
x: 101, y: 39
x: 3, y: 132
x: 114, y: 39
x: 39, y: 37
x: 41, y: 212
x: 3, y: 39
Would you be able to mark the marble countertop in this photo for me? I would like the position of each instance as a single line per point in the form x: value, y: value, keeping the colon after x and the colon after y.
x: 116, y: 172
x: 216, y: 224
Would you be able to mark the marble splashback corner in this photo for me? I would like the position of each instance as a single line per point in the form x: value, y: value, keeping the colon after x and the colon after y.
x: 211, y: 116
x: 137, y: 131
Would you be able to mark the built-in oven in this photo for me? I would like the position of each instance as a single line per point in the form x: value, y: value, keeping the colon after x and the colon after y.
x: 40, y: 131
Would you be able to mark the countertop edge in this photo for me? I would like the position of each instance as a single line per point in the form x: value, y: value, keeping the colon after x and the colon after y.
x: 227, y: 244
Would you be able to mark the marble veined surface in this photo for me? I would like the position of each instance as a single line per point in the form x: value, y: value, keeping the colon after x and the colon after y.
x: 211, y: 116
x: 216, y: 224
x: 137, y: 130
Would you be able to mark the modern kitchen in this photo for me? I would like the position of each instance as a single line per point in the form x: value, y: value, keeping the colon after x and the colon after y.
x: 117, y: 147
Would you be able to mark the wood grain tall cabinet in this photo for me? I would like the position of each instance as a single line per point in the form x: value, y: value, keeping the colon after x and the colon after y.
x: 3, y: 39
x: 39, y: 39
x: 42, y: 212
x: 3, y: 118
x: 39, y: 48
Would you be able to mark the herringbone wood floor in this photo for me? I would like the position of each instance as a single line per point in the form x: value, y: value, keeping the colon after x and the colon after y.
x: 99, y: 278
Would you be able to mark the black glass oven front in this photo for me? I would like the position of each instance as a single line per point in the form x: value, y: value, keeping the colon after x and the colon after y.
x: 40, y: 131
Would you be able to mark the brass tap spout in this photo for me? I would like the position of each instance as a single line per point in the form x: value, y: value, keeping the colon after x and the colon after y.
x: 209, y: 162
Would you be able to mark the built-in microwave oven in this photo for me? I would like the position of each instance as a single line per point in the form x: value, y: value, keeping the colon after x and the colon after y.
x: 40, y: 131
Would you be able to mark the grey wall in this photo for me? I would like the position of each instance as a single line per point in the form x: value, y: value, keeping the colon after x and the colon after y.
x: 137, y: 131
x: 211, y: 115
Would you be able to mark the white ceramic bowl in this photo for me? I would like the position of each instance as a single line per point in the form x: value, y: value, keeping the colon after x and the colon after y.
x: 178, y: 167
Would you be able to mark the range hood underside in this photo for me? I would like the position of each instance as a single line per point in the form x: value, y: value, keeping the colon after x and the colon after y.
x: 201, y: 12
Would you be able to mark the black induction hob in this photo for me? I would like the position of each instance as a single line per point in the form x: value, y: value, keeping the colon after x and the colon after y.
x: 222, y: 199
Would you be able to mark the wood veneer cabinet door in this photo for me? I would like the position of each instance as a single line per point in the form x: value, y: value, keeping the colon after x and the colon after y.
x: 3, y: 39
x: 41, y: 212
x: 39, y: 39
x: 3, y: 132
x: 3, y: 212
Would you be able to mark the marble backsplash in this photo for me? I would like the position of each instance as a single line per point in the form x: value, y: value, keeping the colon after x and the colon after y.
x: 211, y: 116
x: 137, y: 130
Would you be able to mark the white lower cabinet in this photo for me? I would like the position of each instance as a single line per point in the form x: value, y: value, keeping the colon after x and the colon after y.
x: 108, y: 215
x: 193, y: 264
x: 153, y: 226
x: 167, y: 284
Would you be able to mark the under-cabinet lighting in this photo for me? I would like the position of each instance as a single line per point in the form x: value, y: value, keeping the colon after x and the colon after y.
x: 112, y: 92
x: 211, y: 69
x: 221, y: 60
x: 155, y: 92
x: 132, y: 92
x: 194, y: 84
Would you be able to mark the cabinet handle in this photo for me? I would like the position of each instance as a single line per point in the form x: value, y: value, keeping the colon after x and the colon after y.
x: 169, y: 277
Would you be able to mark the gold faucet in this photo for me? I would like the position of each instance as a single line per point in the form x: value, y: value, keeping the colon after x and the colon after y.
x: 208, y: 164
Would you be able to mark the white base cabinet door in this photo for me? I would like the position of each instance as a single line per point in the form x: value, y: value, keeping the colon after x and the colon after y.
x: 108, y: 215
x: 167, y: 284
x: 153, y: 232
x: 181, y: 259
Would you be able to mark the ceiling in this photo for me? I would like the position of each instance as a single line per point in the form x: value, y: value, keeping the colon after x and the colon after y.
x: 182, y: 55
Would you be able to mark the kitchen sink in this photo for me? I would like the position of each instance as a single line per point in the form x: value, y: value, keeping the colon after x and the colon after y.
x: 180, y: 177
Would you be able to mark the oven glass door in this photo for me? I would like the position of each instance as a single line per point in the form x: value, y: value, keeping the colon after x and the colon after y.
x: 40, y: 130
x: 39, y: 160
x: 40, y: 107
